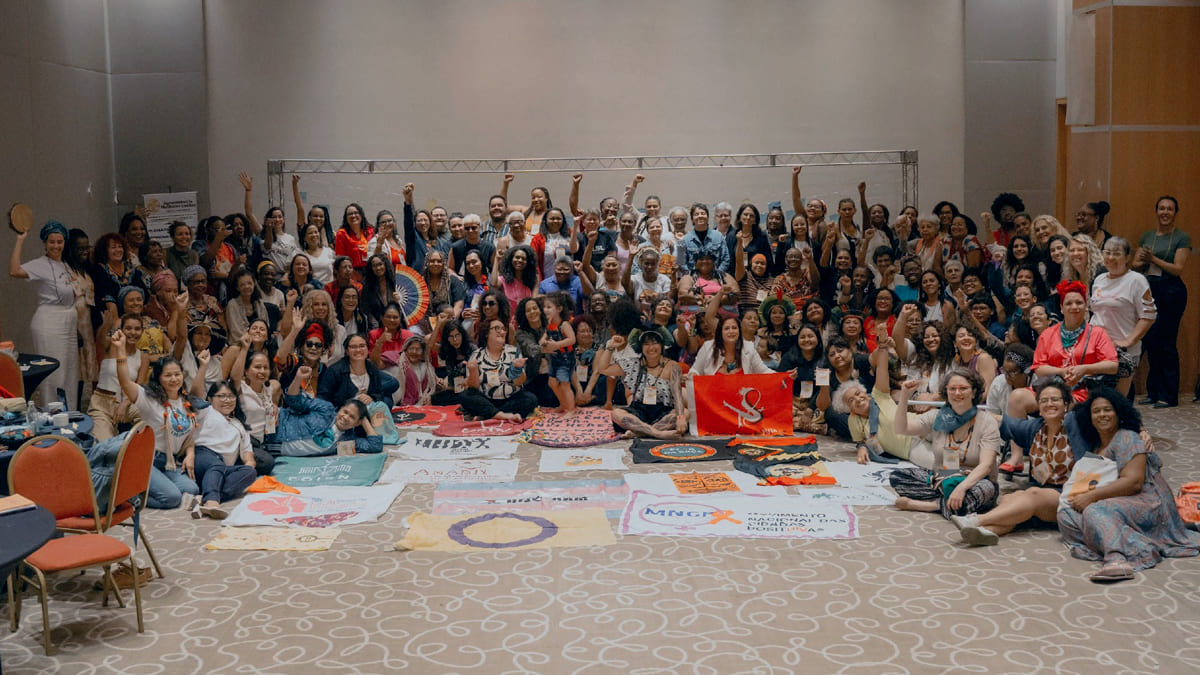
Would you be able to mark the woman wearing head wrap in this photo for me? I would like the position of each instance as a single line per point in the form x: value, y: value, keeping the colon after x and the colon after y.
x: 164, y: 287
x: 1074, y: 349
x: 54, y: 329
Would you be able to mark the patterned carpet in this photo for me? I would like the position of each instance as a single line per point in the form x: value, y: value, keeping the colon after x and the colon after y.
x: 905, y: 597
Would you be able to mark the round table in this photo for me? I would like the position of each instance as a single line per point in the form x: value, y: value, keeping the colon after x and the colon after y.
x: 33, y: 373
x: 22, y: 533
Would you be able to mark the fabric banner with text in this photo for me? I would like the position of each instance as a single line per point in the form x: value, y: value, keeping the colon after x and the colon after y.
x: 743, y: 404
x: 301, y: 472
x: 587, y: 459
x: 459, y: 471
x: 735, y: 515
x: 563, y: 495
x: 423, y: 445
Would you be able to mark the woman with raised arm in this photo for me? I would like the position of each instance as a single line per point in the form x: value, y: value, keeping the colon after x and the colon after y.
x: 299, y: 276
x: 385, y: 242
x: 108, y: 406
x: 310, y: 426
x: 259, y: 395
x: 444, y: 287
x: 610, y: 281
x: 1162, y: 255
x: 55, y: 323
x: 165, y: 407
x: 1131, y: 523
x: 419, y: 237
x: 387, y: 341
x: 962, y: 244
x: 539, y: 204
x: 965, y: 445
x: 245, y: 306
x: 224, y: 457
x: 751, y: 272
x: 553, y: 240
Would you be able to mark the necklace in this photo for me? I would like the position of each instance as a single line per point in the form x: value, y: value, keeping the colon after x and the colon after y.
x: 1070, y: 337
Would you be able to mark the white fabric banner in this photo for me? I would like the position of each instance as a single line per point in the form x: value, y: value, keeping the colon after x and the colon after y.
x: 853, y: 474
x: 735, y: 515
x: 426, y: 446
x: 582, y: 459
x: 461, y: 471
x: 664, y: 484
x: 853, y: 496
x: 324, y: 506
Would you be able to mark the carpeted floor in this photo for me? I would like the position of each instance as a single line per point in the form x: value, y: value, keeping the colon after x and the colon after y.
x: 905, y: 597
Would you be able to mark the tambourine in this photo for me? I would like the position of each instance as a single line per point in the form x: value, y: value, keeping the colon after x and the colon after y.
x: 20, y: 218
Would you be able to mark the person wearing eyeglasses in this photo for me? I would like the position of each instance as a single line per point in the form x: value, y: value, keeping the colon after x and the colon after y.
x: 356, y: 377
x: 495, y: 380
x: 224, y: 458
x: 471, y: 241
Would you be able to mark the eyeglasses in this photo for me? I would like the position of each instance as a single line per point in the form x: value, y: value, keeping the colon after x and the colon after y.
x: 471, y: 228
x: 314, y: 344
x: 498, y: 329
x: 225, y: 396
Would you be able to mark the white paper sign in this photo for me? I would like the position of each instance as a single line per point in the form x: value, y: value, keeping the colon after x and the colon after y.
x: 735, y: 515
x: 167, y: 207
x: 324, y: 506
x: 853, y: 474
x: 460, y: 471
x: 582, y: 459
x: 426, y: 446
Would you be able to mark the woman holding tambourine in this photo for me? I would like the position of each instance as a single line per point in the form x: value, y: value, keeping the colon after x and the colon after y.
x: 54, y: 322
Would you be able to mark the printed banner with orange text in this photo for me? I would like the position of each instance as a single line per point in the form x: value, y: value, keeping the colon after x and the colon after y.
x: 759, y: 405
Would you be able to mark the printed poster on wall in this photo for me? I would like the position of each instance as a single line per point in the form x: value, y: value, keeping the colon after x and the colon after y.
x: 165, y: 208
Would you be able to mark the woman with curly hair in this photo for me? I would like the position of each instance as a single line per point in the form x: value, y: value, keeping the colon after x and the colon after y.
x: 1084, y: 260
x: 515, y: 275
x: 1131, y: 523
x: 378, y: 288
x: 928, y: 352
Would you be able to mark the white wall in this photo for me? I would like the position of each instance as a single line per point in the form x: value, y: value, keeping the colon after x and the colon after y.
x: 540, y: 78
x: 1009, y: 111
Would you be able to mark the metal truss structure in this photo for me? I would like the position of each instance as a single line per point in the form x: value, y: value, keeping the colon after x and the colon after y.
x: 277, y: 169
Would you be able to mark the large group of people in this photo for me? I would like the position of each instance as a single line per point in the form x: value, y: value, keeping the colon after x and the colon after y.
x: 924, y: 336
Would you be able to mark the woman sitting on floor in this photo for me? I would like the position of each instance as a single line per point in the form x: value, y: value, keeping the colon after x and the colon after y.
x: 966, y: 447
x: 872, y: 417
x: 1054, y: 444
x: 224, y: 459
x: 656, y: 401
x: 356, y: 377
x: 311, y: 426
x: 1131, y: 523
x: 495, y: 377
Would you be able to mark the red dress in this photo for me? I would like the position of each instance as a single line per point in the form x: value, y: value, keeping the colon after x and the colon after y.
x: 354, y: 248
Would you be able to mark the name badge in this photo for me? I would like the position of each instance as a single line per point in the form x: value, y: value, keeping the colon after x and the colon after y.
x: 761, y: 295
x: 272, y: 421
x: 492, y: 379
x: 822, y: 377
x: 806, y: 389
x: 650, y: 396
x: 460, y: 385
x: 581, y: 372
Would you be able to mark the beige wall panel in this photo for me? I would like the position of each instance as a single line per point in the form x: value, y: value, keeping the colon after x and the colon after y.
x: 1156, y: 65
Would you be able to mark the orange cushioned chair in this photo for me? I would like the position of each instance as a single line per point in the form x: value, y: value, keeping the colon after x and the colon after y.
x: 127, y: 493
x: 10, y: 376
x: 54, y: 473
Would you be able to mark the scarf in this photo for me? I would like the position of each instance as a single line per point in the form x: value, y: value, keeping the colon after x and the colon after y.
x: 947, y: 420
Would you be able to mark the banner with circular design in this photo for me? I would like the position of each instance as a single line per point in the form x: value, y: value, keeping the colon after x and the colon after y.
x: 506, y: 531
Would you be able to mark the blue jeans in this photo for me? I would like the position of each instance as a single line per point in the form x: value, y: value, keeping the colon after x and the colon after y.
x: 220, y: 482
x: 167, y: 486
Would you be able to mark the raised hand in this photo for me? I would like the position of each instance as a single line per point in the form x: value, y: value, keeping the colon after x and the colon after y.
x: 908, y: 387
x: 246, y: 181
x: 291, y: 297
x: 295, y: 179
x: 118, y: 341
x: 202, y: 360
x: 862, y: 187
x: 638, y: 179
x: 304, y: 372
x: 576, y: 178
x: 182, y: 300
x: 796, y: 170
x: 408, y: 190
x: 508, y: 178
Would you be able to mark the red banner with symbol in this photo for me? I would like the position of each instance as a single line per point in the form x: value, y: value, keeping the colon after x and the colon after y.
x: 743, y: 404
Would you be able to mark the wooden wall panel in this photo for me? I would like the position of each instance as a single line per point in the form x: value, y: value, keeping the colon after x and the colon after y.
x: 1087, y: 171
x: 1147, y: 165
x: 1104, y: 17
x: 1156, y: 65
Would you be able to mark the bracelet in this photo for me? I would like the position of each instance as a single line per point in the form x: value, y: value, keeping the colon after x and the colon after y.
x: 122, y: 360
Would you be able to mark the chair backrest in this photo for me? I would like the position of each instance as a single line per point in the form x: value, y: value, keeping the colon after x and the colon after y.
x: 131, y: 475
x: 10, y: 376
x: 53, y: 472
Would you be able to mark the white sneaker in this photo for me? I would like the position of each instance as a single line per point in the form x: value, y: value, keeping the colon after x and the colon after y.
x: 980, y: 536
x: 962, y: 522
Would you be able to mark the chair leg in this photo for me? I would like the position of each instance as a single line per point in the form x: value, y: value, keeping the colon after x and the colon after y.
x: 12, y: 604
x: 137, y: 593
x: 41, y: 582
x: 111, y: 583
x: 150, y: 551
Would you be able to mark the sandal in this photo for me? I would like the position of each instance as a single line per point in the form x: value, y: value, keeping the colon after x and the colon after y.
x: 214, y: 512
x: 1117, y: 570
x: 1008, y: 469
